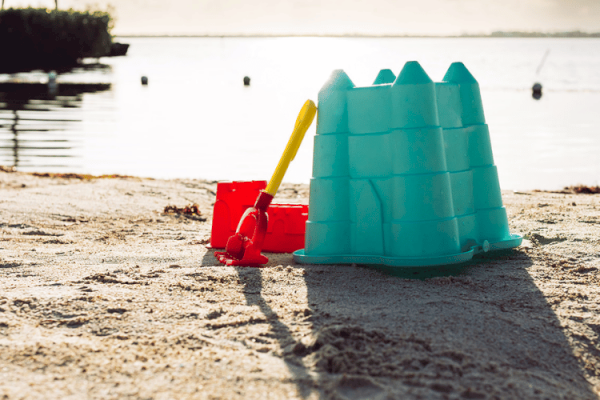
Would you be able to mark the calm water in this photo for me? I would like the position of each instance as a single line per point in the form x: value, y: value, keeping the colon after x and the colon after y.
x: 196, y: 119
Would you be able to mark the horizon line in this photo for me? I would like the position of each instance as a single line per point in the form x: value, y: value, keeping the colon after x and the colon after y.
x: 499, y: 34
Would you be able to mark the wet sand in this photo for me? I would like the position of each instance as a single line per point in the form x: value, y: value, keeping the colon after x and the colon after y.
x: 103, y: 296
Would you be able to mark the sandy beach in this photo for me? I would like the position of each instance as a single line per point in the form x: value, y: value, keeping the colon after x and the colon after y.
x: 105, y: 296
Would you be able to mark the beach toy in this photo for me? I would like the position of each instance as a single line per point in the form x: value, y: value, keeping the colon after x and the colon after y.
x: 403, y: 173
x: 285, y: 230
x: 244, y: 247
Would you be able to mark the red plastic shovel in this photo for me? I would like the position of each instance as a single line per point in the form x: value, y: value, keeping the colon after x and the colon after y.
x: 244, y: 247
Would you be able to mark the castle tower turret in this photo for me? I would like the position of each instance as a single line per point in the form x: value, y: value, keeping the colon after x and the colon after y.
x: 472, y: 106
x: 492, y: 221
x: 456, y: 141
x: 413, y: 98
x: 385, y: 76
x: 419, y: 209
x: 328, y: 225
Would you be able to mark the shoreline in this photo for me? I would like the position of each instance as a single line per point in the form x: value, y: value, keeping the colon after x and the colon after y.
x: 102, y: 295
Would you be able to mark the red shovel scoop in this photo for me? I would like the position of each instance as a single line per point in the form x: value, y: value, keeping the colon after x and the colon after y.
x: 244, y: 247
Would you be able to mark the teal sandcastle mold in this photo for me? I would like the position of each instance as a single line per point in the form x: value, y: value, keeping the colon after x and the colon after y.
x: 403, y: 173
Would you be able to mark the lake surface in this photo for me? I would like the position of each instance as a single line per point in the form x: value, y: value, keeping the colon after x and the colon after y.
x: 196, y: 119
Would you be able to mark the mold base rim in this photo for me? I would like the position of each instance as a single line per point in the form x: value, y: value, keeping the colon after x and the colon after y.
x: 301, y: 258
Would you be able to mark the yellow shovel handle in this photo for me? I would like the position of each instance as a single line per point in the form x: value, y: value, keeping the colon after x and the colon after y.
x: 305, y: 118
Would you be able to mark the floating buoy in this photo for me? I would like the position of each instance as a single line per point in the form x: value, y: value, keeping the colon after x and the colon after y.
x: 52, y: 84
x: 144, y: 80
x: 52, y: 78
x: 536, y: 91
x: 246, y: 81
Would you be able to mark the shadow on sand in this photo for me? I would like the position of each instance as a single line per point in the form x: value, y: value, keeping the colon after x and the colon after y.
x: 479, y: 330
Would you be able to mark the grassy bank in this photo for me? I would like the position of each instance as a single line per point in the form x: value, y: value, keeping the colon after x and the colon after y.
x: 32, y: 38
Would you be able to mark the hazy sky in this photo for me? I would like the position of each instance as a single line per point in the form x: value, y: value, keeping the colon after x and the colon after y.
x: 385, y: 17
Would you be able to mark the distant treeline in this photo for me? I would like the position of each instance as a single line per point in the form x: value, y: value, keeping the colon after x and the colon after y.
x: 51, y: 39
x: 571, y: 34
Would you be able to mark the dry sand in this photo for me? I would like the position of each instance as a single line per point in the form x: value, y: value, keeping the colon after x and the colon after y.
x: 103, y: 296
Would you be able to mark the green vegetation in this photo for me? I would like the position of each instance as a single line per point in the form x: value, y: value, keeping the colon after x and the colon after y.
x: 41, y: 38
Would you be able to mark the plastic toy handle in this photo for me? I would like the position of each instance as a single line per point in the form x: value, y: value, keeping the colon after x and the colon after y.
x: 303, y: 122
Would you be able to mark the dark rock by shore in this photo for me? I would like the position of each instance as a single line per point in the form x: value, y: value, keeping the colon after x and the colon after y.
x: 118, y: 49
